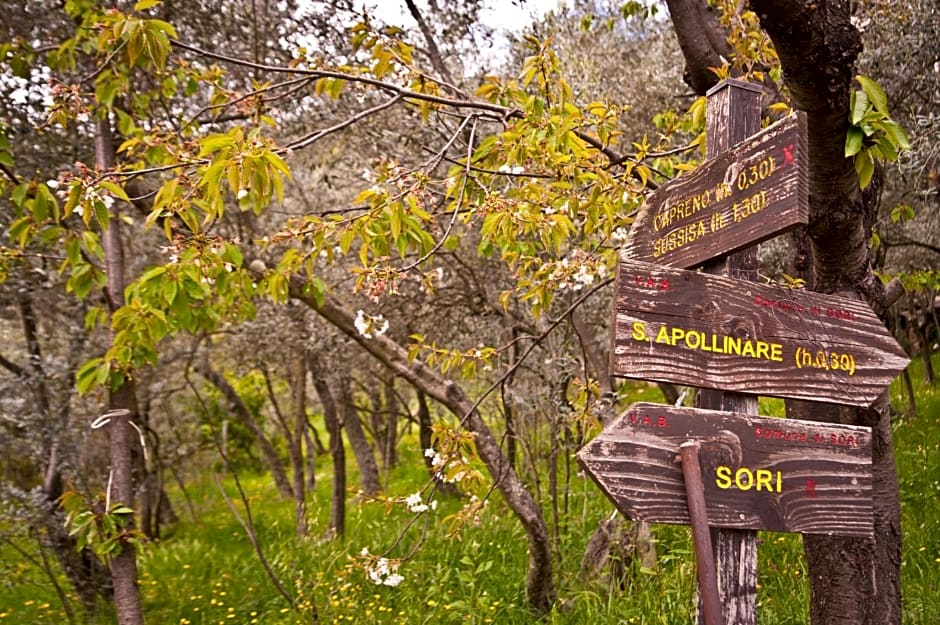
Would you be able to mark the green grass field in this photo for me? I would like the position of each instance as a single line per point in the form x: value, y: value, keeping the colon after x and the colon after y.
x: 205, y: 572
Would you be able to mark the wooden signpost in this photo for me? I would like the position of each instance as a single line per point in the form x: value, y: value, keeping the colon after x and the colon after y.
x: 745, y: 195
x: 695, y: 329
x: 758, y: 473
x: 731, y: 469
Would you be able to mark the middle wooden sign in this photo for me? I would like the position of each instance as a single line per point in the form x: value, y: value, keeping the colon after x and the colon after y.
x: 695, y: 329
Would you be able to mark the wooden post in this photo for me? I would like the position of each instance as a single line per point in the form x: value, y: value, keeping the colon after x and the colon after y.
x: 733, y: 113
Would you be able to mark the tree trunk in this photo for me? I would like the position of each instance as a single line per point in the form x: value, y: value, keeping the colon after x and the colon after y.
x: 818, y: 48
x: 390, y: 455
x: 268, y: 452
x: 312, y: 450
x: 369, y: 481
x: 540, y: 584
x: 331, y: 417
x: 122, y: 406
x: 425, y: 437
x: 299, y: 383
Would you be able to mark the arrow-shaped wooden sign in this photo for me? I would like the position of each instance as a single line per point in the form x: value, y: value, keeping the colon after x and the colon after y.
x: 750, y: 193
x: 694, y: 329
x: 759, y: 473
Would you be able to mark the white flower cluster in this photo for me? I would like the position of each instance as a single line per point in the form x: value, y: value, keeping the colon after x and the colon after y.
x: 619, y: 235
x: 439, y: 464
x: 92, y: 196
x: 576, y: 277
x: 382, y: 572
x: 517, y: 170
x: 416, y: 504
x: 369, y: 326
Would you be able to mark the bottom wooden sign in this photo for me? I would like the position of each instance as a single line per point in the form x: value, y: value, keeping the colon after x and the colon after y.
x: 759, y: 473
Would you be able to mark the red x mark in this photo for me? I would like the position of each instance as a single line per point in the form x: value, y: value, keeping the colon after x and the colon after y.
x: 811, y: 488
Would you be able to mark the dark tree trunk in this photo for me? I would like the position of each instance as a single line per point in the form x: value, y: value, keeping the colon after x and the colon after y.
x: 368, y: 470
x: 122, y: 405
x: 299, y: 383
x: 312, y: 450
x: 852, y: 581
x: 390, y: 455
x: 241, y: 411
x: 337, y: 452
x: 425, y: 436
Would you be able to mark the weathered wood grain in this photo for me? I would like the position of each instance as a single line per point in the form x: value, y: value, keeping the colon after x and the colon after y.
x: 814, y: 477
x: 747, y: 194
x: 673, y: 325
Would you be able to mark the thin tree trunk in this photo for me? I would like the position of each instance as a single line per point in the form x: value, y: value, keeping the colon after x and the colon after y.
x: 425, y: 437
x: 337, y: 452
x: 241, y: 411
x: 369, y: 481
x: 299, y: 383
x: 311, y: 457
x: 122, y: 406
x: 391, y: 424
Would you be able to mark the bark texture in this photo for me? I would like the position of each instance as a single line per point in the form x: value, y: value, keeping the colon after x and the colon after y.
x: 337, y: 452
x: 122, y: 406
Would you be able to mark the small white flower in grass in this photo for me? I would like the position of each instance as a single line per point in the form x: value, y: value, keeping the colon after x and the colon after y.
x: 393, y: 580
x: 242, y: 194
x: 364, y: 552
x: 619, y: 235
x: 52, y: 184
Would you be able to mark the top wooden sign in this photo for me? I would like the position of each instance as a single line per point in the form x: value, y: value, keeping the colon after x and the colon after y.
x: 750, y: 193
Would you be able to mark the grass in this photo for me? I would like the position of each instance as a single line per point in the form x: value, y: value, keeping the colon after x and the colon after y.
x: 205, y: 572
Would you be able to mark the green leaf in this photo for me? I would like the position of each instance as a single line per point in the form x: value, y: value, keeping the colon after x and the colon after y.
x: 143, y: 5
x: 214, y: 143
x: 853, y: 141
x: 858, y: 106
x: 88, y: 375
x: 897, y: 135
x: 864, y: 167
x: 875, y: 93
x: 114, y: 189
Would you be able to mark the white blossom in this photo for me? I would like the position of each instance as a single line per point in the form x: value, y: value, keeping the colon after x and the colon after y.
x: 416, y: 504
x: 393, y: 580
x: 242, y: 194
x: 369, y: 326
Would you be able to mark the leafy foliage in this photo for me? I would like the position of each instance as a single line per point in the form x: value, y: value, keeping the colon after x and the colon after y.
x: 872, y: 134
x: 104, y: 531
